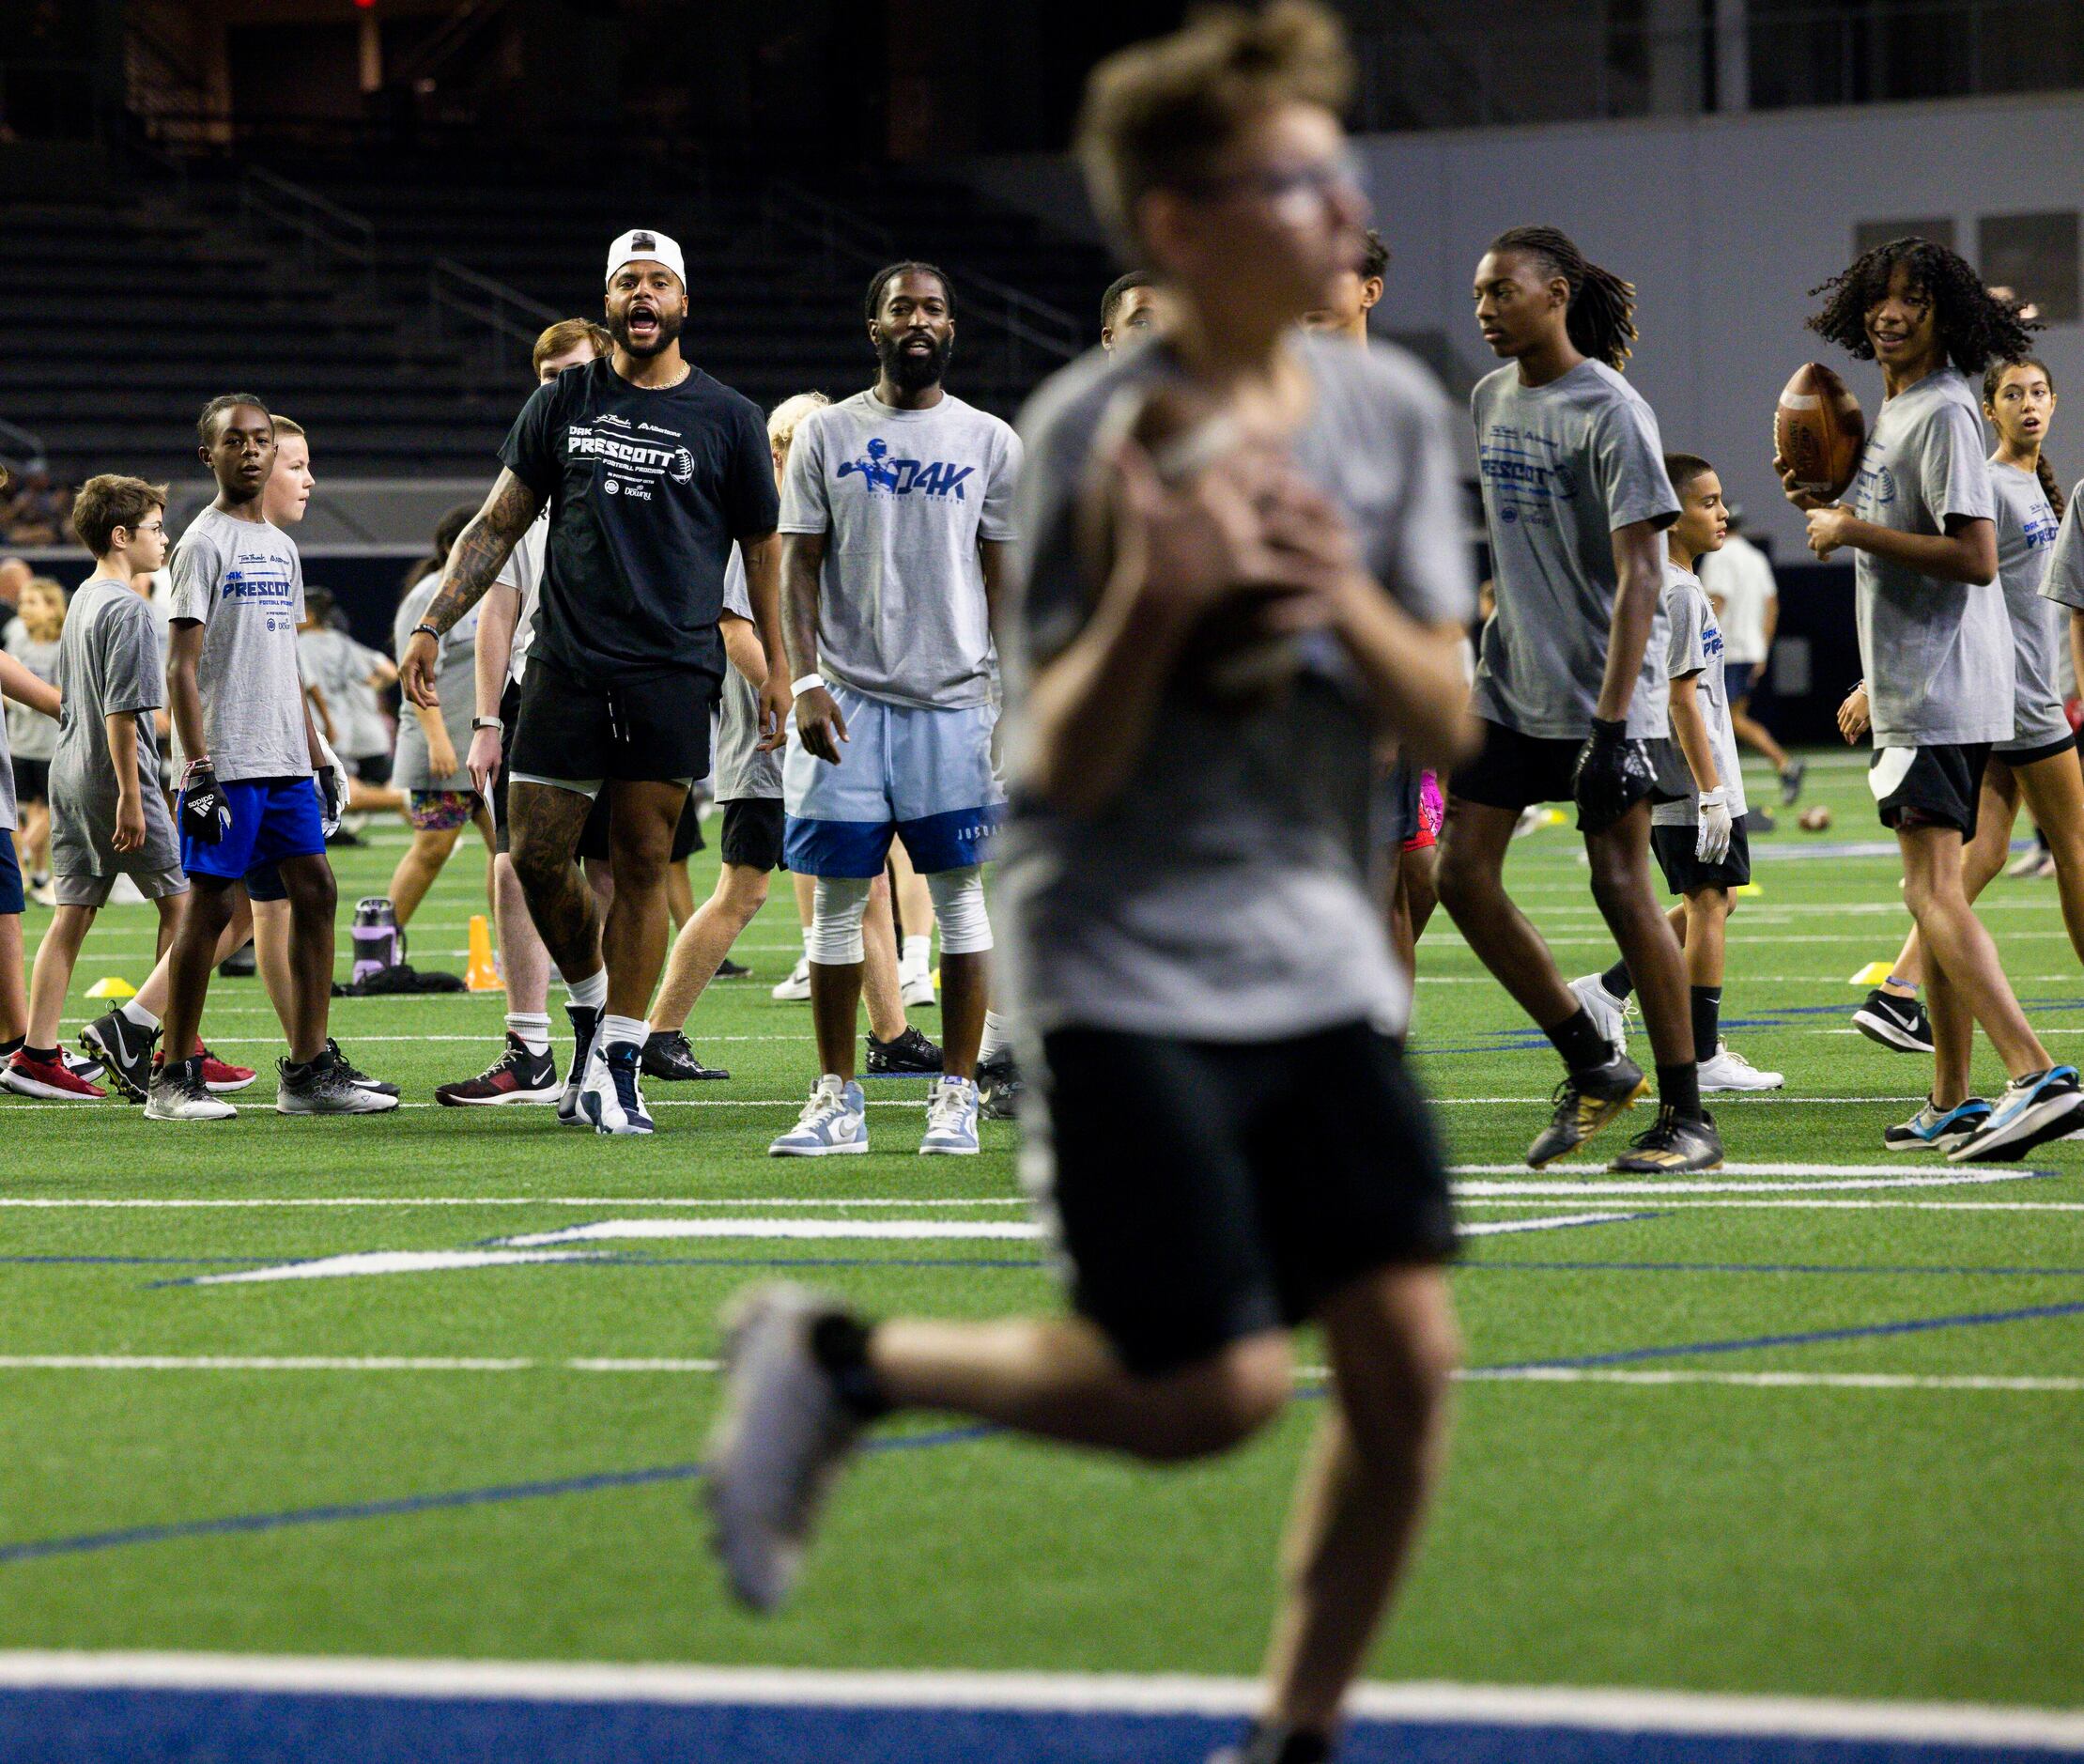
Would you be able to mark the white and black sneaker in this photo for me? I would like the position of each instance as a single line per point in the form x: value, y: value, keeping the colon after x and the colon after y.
x: 796, y: 988
x: 1936, y: 1129
x: 358, y: 1078
x: 325, y: 1087
x: 2041, y: 1107
x: 1898, y: 1023
x: 783, y: 1434
x: 177, y: 1092
x: 586, y: 1022
x: 125, y: 1052
x: 668, y: 1056
x: 610, y: 1098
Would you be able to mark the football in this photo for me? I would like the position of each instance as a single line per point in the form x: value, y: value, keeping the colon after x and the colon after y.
x: 1815, y: 820
x: 1819, y: 431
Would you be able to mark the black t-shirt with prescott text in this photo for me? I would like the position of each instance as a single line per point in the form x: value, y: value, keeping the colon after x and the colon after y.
x: 647, y: 489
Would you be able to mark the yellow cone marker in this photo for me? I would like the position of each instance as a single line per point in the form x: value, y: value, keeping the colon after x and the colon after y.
x: 1872, y: 975
x: 112, y: 987
x: 1747, y: 888
x: 483, y: 975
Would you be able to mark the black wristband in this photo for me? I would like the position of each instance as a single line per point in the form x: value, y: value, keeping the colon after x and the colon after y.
x: 424, y: 626
x: 1609, y: 733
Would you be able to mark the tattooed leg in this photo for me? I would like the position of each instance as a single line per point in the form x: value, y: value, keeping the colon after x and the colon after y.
x: 543, y: 824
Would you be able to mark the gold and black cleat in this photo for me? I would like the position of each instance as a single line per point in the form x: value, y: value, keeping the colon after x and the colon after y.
x: 1585, y: 1102
x: 1674, y: 1146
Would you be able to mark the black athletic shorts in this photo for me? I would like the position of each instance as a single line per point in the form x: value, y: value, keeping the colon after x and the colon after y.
x: 753, y: 833
x: 372, y: 768
x: 1935, y: 786
x: 593, y: 837
x: 2033, y: 756
x: 1684, y: 872
x: 650, y: 729
x: 1202, y: 1191
x: 510, y: 713
x: 32, y: 779
x: 1513, y: 771
x: 1398, y: 811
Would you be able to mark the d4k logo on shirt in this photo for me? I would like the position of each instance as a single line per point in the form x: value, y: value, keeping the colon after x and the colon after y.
x: 886, y: 476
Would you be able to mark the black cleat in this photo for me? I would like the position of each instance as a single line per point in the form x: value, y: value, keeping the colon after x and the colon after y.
x: 1898, y: 1023
x: 998, y: 1087
x: 356, y: 1077
x: 125, y: 1052
x: 1674, y: 1146
x: 241, y: 964
x: 727, y: 969
x: 586, y: 1022
x: 668, y: 1056
x: 909, y: 1056
x: 1585, y: 1102
x: 1791, y: 781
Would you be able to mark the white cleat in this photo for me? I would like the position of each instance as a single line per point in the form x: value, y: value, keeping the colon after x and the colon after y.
x: 177, y: 1092
x: 834, y: 1123
x: 610, y: 1097
x: 1730, y: 1071
x: 778, y: 1445
x: 796, y: 988
x: 1609, y: 1014
x: 951, y: 1119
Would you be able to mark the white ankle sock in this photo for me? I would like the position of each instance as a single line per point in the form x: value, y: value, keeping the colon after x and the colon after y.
x: 624, y: 1032
x: 531, y: 1029
x: 995, y: 1036
x: 589, y: 994
x: 919, y: 952
x: 137, y: 1016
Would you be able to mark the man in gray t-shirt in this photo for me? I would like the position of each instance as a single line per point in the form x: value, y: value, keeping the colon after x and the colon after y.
x: 1570, y: 684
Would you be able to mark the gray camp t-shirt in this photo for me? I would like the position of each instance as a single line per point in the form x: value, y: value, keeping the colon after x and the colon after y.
x: 241, y: 581
x: 1564, y: 466
x: 742, y: 770
x: 454, y: 684
x: 1937, y: 655
x: 1695, y: 647
x: 108, y: 663
x: 31, y: 734
x: 2040, y: 631
x: 1221, y: 894
x: 902, y: 498
x: 340, y: 668
x: 6, y: 781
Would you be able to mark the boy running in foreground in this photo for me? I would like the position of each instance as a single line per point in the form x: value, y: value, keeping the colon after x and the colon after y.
x: 1699, y: 842
x: 1191, y: 939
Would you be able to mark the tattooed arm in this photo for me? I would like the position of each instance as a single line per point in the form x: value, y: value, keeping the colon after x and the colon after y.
x: 482, y: 546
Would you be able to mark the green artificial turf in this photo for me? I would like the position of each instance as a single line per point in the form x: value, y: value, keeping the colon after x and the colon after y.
x: 1891, y: 1539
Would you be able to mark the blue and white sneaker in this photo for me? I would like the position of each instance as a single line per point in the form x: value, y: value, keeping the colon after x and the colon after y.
x: 2041, y: 1107
x: 610, y: 1097
x: 951, y: 1119
x: 586, y: 1022
x: 834, y: 1123
x: 1936, y: 1129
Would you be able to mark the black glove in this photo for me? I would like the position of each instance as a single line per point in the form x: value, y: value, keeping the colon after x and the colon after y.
x: 206, y: 816
x: 1612, y: 775
x: 327, y: 783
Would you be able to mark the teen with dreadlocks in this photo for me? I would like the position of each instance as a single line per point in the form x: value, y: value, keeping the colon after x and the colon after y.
x: 1938, y: 653
x: 1570, y: 683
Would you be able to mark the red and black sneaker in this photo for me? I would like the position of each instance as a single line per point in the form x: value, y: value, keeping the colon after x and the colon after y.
x: 51, y: 1080
x: 515, y: 1077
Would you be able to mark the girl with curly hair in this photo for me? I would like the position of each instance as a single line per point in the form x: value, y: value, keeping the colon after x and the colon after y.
x: 1937, y: 649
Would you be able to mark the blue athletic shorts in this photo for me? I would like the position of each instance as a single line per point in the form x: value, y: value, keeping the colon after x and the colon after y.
x: 11, y: 898
x: 272, y: 818
x: 905, y: 769
x: 264, y: 883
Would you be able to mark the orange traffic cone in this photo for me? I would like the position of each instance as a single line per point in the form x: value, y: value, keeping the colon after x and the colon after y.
x: 483, y: 975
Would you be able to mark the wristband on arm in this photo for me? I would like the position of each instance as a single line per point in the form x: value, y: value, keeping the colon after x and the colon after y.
x: 811, y: 679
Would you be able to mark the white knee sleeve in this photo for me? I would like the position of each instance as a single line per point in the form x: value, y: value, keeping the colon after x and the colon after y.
x: 836, y: 924
x: 959, y: 905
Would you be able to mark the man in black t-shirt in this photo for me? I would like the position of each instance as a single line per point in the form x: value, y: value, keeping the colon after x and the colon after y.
x: 651, y: 470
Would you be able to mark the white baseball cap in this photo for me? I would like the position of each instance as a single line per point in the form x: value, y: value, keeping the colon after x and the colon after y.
x: 641, y: 245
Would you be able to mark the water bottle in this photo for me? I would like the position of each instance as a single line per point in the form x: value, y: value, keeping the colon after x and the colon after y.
x: 377, y: 942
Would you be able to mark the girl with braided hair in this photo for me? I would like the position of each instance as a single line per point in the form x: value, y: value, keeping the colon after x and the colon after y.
x: 1570, y: 684
x: 1923, y: 526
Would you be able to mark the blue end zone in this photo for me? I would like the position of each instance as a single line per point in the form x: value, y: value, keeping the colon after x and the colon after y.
x: 157, y: 1726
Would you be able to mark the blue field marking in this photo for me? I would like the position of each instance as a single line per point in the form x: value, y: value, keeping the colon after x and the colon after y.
x: 1802, y: 1338
x: 1760, y: 1268
x: 160, y: 1727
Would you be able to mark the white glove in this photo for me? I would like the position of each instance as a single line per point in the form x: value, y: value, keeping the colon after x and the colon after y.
x: 1712, y: 846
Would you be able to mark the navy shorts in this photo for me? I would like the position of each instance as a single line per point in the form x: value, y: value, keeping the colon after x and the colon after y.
x: 272, y: 818
x: 11, y: 898
x: 1737, y: 679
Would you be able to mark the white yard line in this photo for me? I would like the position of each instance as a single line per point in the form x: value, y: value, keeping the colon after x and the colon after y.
x: 1633, y: 1712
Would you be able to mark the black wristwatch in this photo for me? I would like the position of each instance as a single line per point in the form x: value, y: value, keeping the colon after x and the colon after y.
x: 487, y: 722
x: 424, y: 626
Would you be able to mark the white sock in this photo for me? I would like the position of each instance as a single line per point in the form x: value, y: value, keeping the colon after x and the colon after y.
x: 589, y: 994
x: 623, y: 1030
x: 807, y: 943
x: 995, y: 1036
x: 531, y: 1029
x: 918, y: 951
x: 137, y: 1016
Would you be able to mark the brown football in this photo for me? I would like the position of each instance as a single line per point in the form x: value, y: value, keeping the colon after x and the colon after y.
x: 1815, y: 820
x: 1819, y: 431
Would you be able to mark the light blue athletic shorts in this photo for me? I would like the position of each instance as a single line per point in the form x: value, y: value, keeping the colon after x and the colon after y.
x: 904, y: 770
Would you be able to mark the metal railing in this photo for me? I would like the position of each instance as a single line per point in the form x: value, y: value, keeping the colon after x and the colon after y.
x: 330, y: 234
x: 1021, y: 322
x: 505, y: 321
